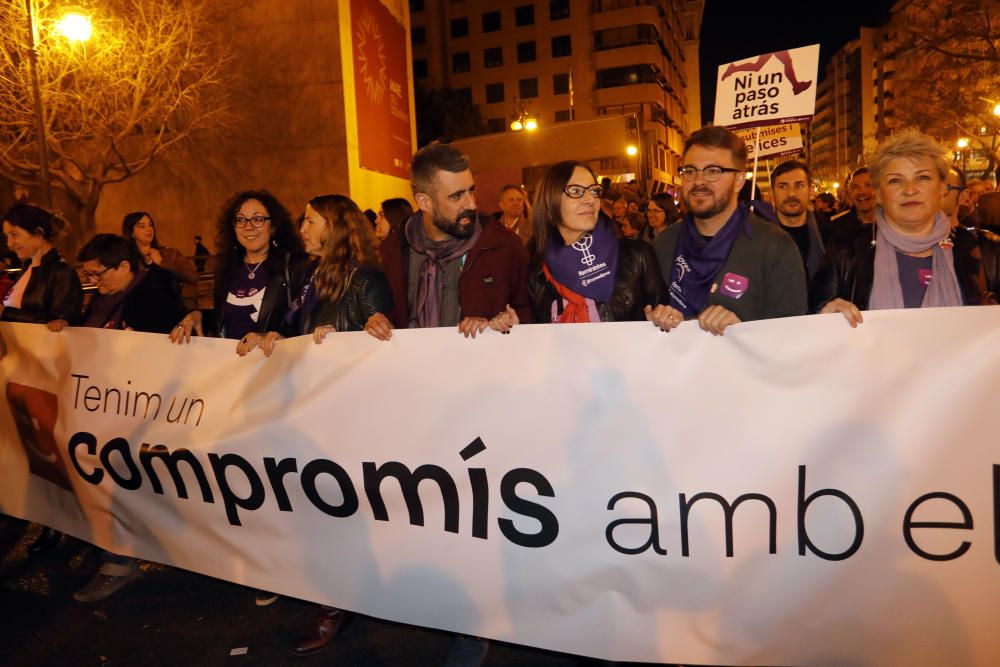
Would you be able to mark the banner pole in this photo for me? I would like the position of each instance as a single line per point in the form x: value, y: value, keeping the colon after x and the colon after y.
x: 756, y: 150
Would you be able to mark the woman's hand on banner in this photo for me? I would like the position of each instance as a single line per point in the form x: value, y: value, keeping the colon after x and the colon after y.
x: 379, y: 326
x: 470, y: 326
x: 182, y: 332
x: 267, y: 342
x: 850, y: 312
x: 505, y: 320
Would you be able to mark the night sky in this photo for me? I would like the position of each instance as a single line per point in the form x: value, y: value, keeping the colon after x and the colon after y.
x: 739, y: 30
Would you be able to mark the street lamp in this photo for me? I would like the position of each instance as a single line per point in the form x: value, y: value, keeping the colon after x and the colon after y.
x: 963, y: 145
x: 75, y: 27
x: 632, y: 150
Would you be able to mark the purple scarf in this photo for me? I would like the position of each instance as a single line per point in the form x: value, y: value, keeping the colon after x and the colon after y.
x: 425, y: 311
x: 697, y: 261
x: 887, y: 292
x: 589, y: 266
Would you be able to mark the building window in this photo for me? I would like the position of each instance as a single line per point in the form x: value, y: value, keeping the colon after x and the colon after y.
x: 524, y: 15
x: 418, y: 36
x: 493, y: 57
x: 491, y: 21
x: 562, y: 46
x: 459, y: 28
x: 560, y: 84
x: 416, y: 5
x: 558, y: 9
x: 563, y: 116
x: 528, y: 88
x: 496, y: 125
x: 494, y: 93
x: 626, y: 76
x: 526, y: 52
x: 460, y: 62
x: 629, y: 35
x: 420, y: 69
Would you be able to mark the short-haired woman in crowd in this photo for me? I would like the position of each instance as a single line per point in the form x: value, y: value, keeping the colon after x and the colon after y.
x: 580, y: 271
x: 661, y: 212
x: 140, y: 228
x: 48, y: 291
x: 260, y: 268
x: 911, y: 257
x: 392, y: 215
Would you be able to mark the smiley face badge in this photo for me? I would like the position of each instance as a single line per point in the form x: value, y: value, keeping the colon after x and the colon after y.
x: 734, y: 285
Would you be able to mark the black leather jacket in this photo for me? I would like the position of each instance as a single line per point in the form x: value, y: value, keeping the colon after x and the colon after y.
x: 288, y: 276
x: 638, y: 283
x: 368, y: 293
x: 848, y: 269
x: 53, y: 293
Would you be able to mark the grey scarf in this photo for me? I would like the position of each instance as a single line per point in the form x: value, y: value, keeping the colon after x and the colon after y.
x: 886, y: 290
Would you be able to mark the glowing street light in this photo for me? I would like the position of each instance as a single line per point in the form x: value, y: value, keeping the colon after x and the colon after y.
x: 531, y: 124
x: 962, y: 143
x: 517, y: 125
x: 632, y: 150
x: 996, y: 110
x: 75, y: 27
x: 836, y: 185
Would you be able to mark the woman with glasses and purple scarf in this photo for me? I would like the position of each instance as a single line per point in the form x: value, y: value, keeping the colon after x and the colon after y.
x: 912, y: 257
x: 580, y: 271
x: 261, y: 266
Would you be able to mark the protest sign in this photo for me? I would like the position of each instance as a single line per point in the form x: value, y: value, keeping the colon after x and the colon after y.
x: 769, y: 89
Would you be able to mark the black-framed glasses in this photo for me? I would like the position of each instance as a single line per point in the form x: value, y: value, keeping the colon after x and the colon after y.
x: 954, y: 187
x: 710, y: 173
x: 576, y: 191
x: 256, y: 221
x: 94, y: 277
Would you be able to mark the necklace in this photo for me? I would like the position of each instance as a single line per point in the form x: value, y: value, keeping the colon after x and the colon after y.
x: 253, y: 272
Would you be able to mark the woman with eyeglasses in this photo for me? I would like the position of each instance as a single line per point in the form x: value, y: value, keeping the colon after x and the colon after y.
x: 392, y: 216
x: 580, y: 271
x: 260, y: 268
x: 139, y: 227
x: 912, y: 257
x: 661, y: 212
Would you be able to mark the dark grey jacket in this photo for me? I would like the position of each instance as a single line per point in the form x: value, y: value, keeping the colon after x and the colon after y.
x: 770, y: 262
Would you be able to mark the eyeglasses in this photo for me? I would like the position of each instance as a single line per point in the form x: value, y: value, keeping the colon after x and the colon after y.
x: 710, y: 173
x: 650, y: 209
x: 94, y: 277
x: 954, y: 187
x: 256, y: 221
x: 577, y: 191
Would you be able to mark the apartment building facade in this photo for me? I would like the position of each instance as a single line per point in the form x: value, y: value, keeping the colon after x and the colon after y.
x: 563, y: 61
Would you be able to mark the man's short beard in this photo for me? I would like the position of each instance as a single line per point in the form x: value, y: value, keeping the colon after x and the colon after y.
x: 720, y: 206
x: 453, y: 228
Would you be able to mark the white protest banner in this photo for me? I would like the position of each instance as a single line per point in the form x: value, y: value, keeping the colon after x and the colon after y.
x: 794, y: 492
x: 772, y: 88
x: 774, y: 140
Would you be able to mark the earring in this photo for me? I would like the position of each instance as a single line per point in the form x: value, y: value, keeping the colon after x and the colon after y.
x: 274, y: 242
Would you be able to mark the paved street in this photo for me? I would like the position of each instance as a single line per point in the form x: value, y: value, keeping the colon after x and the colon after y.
x: 173, y: 617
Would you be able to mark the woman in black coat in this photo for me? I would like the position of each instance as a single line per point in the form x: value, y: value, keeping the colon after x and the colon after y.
x: 48, y: 289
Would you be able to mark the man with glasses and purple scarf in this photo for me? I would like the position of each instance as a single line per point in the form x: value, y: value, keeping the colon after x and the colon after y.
x: 724, y: 265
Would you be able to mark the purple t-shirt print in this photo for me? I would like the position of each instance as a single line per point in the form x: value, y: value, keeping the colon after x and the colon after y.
x: 734, y: 285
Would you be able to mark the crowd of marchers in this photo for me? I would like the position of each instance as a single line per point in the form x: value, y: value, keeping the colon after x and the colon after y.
x: 914, y: 235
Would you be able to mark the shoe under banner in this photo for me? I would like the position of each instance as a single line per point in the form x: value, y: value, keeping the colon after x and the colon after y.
x: 794, y: 492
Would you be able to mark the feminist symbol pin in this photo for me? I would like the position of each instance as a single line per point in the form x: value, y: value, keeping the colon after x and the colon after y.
x: 583, y: 245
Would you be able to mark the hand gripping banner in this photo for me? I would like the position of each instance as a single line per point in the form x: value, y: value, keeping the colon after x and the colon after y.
x: 794, y: 492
